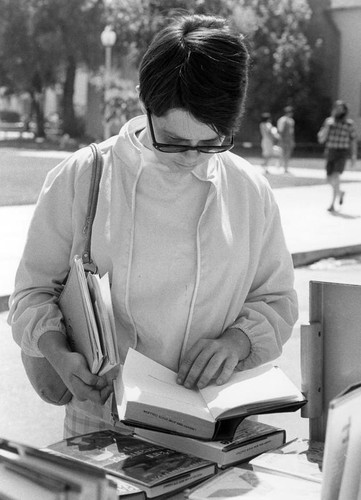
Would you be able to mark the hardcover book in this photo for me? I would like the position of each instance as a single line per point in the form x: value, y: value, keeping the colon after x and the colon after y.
x: 151, y: 398
x: 155, y: 469
x: 250, y: 439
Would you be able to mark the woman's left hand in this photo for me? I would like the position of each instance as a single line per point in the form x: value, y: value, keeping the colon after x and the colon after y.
x: 217, y: 358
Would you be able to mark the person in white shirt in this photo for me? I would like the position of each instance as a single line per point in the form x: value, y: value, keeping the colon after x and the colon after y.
x: 286, y: 132
x: 201, y: 277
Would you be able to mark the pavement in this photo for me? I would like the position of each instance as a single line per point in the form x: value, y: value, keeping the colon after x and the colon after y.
x: 312, y: 233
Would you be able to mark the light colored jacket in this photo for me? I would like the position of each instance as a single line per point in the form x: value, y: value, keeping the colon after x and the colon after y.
x: 244, y: 271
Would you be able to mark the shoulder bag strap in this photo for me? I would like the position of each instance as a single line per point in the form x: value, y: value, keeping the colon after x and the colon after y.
x: 88, y: 263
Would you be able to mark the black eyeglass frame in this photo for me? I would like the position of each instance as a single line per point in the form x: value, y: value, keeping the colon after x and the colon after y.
x: 181, y: 148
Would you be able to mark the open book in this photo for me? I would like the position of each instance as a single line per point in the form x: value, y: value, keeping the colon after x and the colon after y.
x: 88, y: 315
x: 147, y: 395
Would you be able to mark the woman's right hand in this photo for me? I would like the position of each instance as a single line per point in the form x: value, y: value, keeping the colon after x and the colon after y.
x: 73, y: 369
x: 80, y: 381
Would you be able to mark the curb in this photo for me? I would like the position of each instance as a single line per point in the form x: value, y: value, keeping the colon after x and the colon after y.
x: 304, y: 258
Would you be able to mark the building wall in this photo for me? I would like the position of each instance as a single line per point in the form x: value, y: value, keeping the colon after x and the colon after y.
x: 347, y: 17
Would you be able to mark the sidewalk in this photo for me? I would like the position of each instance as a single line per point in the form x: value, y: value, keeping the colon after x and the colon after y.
x: 311, y: 232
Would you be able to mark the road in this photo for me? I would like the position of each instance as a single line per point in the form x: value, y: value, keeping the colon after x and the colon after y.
x: 23, y: 416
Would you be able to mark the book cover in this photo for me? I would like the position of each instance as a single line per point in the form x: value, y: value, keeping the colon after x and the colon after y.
x: 342, y: 458
x: 300, y: 458
x: 239, y: 483
x: 92, y: 481
x: 76, y: 307
x: 152, y: 398
x: 154, y: 468
x: 88, y: 314
x: 250, y: 439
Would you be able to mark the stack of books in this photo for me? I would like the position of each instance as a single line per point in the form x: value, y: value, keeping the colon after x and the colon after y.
x: 210, y: 423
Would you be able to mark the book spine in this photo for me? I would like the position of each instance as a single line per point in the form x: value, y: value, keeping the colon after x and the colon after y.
x: 251, y: 450
x: 181, y: 482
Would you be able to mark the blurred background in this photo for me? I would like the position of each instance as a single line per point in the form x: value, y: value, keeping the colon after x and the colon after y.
x: 68, y: 70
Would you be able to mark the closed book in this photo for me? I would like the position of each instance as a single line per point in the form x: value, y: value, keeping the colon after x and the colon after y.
x: 85, y: 303
x: 250, y: 439
x: 155, y: 469
x: 211, y: 413
x: 84, y: 481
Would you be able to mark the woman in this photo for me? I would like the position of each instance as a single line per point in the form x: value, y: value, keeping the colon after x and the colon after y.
x: 269, y: 136
x: 190, y: 235
x: 338, y: 134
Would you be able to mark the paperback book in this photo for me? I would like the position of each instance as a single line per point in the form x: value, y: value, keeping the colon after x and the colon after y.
x: 43, y: 475
x: 151, y: 398
x: 250, y: 439
x: 88, y: 315
x: 155, y: 469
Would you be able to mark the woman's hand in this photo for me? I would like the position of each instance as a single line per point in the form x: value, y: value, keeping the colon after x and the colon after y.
x: 81, y: 382
x: 73, y: 369
x: 217, y: 358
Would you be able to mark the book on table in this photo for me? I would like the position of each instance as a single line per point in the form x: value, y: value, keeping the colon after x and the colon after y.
x: 250, y: 439
x: 300, y: 458
x: 241, y: 483
x: 150, y: 397
x: 44, y: 475
x: 154, y: 469
x: 87, y: 310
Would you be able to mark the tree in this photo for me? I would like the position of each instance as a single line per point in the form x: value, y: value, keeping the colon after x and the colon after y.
x: 282, y: 70
x: 44, y: 41
x: 280, y: 55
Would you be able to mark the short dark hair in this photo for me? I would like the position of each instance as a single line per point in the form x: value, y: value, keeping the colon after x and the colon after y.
x: 198, y: 64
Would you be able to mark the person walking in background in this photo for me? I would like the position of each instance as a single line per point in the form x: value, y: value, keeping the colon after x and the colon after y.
x: 269, y: 136
x: 286, y: 132
x: 338, y: 134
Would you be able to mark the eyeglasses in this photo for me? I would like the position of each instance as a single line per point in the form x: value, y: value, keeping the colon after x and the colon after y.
x: 181, y: 148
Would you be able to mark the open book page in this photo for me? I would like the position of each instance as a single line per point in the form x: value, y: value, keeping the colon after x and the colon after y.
x: 252, y: 389
x: 152, y: 384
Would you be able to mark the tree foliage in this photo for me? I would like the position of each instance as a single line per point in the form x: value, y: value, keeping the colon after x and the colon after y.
x: 43, y: 42
x: 282, y: 69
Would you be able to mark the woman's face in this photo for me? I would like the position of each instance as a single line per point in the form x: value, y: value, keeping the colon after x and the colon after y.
x: 177, y: 126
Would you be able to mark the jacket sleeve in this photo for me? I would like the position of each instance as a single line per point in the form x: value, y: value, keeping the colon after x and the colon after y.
x: 47, y: 253
x: 270, y: 309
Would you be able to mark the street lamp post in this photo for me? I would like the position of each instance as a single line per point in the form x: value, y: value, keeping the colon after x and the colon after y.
x: 108, y: 38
